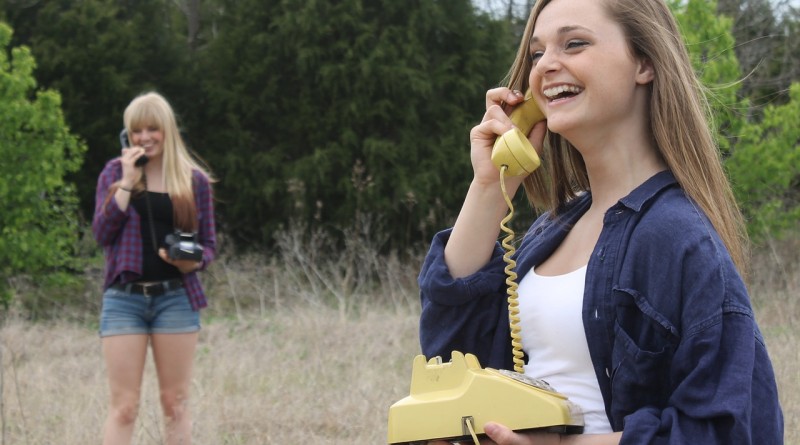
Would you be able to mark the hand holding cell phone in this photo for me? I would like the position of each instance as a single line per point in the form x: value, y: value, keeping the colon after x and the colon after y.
x: 125, y: 142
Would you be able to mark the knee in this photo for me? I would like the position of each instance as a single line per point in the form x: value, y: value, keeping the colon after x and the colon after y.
x: 174, y: 404
x: 125, y: 413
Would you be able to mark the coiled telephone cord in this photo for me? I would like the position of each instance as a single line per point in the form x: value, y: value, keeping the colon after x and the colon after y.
x: 511, y: 277
x: 511, y: 290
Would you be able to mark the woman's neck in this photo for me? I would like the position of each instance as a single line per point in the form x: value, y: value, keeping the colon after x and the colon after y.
x: 155, y: 176
x: 618, y: 163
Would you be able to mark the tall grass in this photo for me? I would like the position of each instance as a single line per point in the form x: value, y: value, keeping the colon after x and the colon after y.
x: 312, y: 346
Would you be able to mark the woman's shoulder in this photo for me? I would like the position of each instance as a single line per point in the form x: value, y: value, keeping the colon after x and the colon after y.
x: 112, y: 168
x: 673, y: 210
x: 113, y: 163
x: 201, y: 177
x: 674, y: 224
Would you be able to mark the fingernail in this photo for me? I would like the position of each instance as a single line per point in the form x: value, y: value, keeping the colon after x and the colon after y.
x: 518, y: 93
x: 490, y: 428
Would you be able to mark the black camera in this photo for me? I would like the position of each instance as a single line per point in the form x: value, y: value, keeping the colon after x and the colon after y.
x: 183, y: 246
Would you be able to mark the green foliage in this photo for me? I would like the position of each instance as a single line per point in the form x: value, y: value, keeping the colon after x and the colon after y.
x: 765, y: 169
x: 711, y: 48
x: 766, y: 33
x: 327, y: 110
x: 38, y: 224
x: 320, y: 112
x: 99, y: 54
x: 761, y: 155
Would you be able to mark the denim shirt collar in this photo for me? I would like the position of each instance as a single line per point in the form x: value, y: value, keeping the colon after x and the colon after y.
x: 648, y: 190
x: 635, y: 201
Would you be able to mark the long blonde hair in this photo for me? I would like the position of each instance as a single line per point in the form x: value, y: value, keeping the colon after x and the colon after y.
x: 152, y: 110
x: 680, y: 124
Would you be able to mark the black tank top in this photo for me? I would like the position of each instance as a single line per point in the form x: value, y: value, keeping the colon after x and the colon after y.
x: 153, y: 267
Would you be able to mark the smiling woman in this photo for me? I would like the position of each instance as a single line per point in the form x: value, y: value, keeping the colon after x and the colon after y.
x: 150, y: 297
x: 638, y: 256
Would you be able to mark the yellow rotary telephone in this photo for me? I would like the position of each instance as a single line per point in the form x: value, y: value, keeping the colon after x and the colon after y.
x: 452, y: 401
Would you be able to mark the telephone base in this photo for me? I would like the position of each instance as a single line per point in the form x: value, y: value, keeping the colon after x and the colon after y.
x: 466, y: 439
x: 444, y: 395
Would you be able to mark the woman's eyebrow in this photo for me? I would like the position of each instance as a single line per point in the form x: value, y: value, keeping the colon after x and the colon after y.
x: 561, y: 31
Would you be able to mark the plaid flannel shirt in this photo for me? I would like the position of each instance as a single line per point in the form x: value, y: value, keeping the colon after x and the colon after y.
x: 119, y: 233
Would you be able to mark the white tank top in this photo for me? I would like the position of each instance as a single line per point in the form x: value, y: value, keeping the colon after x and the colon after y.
x: 555, y: 341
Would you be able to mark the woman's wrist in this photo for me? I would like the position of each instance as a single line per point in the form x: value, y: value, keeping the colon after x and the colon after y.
x: 126, y: 187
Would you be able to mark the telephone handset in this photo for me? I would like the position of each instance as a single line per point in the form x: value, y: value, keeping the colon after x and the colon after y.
x: 452, y: 401
x: 123, y: 140
x: 512, y: 148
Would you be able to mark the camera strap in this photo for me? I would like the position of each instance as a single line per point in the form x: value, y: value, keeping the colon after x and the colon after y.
x: 149, y: 214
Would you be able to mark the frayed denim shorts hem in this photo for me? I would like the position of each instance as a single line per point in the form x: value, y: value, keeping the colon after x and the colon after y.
x: 128, y: 313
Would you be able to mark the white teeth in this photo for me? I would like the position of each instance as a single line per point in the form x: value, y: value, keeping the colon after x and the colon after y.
x: 555, y: 91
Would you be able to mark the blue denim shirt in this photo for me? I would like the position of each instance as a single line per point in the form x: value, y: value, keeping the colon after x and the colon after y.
x: 675, y: 347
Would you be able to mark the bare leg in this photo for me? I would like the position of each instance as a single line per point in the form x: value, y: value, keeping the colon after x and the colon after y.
x: 174, y: 358
x: 124, y: 356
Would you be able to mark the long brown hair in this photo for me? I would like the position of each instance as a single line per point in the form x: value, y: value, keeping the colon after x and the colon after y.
x: 680, y: 124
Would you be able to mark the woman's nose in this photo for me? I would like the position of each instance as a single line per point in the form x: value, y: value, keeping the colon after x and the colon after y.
x: 548, y: 62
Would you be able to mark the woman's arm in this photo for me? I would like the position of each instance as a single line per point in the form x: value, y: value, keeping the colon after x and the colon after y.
x: 478, y: 224
x: 109, y: 218
x: 206, y: 231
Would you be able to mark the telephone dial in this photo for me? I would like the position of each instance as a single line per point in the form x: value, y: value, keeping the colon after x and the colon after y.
x: 452, y: 401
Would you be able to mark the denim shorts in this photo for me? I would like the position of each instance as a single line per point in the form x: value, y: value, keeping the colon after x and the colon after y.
x: 134, y: 313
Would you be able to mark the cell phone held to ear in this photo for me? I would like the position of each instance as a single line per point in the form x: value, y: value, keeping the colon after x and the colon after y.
x: 123, y: 140
x: 513, y: 149
x: 142, y: 160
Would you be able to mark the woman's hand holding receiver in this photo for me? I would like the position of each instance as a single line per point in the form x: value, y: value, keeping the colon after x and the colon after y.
x: 478, y: 225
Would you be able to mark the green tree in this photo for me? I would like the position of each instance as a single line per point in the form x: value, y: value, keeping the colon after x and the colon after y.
x: 765, y: 169
x: 321, y: 111
x: 711, y: 47
x: 757, y: 36
x: 38, y: 224
x: 766, y: 33
x: 99, y: 54
x: 761, y: 155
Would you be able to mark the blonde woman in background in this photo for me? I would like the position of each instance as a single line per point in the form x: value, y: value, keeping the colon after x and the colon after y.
x: 150, y: 298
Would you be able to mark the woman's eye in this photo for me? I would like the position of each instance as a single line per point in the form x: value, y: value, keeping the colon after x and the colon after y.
x: 536, y: 55
x: 572, y: 44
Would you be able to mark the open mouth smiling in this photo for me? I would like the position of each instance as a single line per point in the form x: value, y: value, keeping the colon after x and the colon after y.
x: 561, y: 92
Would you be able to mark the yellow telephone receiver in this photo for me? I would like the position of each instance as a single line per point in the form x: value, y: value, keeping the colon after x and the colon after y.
x: 512, y: 148
x: 452, y: 401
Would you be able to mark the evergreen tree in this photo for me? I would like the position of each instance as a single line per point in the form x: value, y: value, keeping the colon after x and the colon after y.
x: 38, y: 224
x: 319, y: 112
x: 766, y: 46
x: 99, y: 54
x: 765, y: 169
x: 711, y: 47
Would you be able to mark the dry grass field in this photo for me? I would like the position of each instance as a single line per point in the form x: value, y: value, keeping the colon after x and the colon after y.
x: 296, y: 351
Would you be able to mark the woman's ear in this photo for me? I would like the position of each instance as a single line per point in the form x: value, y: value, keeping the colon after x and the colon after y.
x: 645, y: 71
